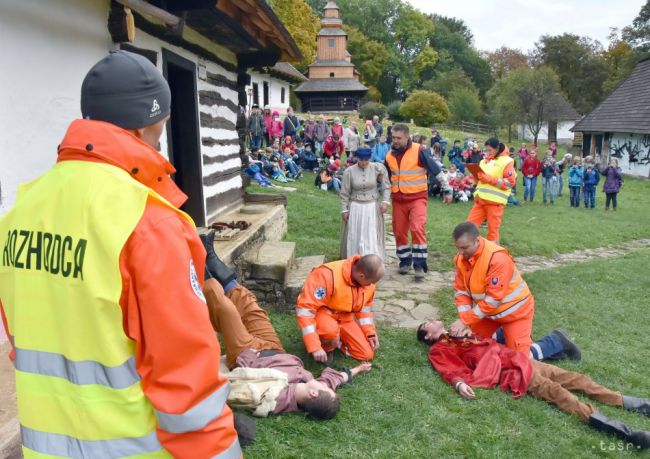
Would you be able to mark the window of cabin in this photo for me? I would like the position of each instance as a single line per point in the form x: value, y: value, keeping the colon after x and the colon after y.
x: 331, y: 43
x: 331, y: 74
x: 282, y: 95
x: 265, y: 88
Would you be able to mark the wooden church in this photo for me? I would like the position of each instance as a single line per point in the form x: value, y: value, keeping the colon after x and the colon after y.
x: 333, y: 84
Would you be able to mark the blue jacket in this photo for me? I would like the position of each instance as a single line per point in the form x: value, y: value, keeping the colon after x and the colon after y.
x: 379, y: 152
x: 576, y: 174
x: 591, y: 177
x: 455, y: 152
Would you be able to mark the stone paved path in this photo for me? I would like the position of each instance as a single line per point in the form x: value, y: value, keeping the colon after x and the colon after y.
x: 402, y: 302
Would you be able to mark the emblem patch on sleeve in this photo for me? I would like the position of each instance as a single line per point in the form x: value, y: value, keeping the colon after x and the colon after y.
x: 320, y: 293
x: 495, y: 280
x: 194, y: 282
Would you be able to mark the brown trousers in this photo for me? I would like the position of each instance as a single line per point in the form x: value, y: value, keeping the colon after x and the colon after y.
x: 553, y: 384
x: 240, y: 321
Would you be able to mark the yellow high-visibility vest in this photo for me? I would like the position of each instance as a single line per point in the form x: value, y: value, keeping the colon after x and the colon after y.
x: 493, y: 168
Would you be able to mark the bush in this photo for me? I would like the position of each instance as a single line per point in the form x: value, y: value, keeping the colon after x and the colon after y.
x: 425, y: 108
x: 393, y: 111
x: 370, y: 109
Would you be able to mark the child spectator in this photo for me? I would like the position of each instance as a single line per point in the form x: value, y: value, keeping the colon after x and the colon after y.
x: 446, y: 189
x: 307, y: 158
x: 321, y: 131
x: 293, y: 171
x: 531, y: 168
x: 288, y: 143
x: 291, y: 125
x: 523, y: 154
x: 328, y: 179
x: 613, y: 183
x: 380, y: 150
x: 550, y: 179
x: 590, y: 181
x: 337, y: 128
x: 563, y: 164
x: 576, y: 173
x: 455, y: 152
x: 309, y: 132
x: 369, y: 134
x: 351, y: 139
x: 275, y: 130
x: 333, y: 147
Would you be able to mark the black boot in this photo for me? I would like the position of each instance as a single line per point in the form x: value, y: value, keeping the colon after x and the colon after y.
x: 637, y: 404
x: 638, y: 438
x: 571, y: 349
x: 213, y: 263
x: 245, y: 428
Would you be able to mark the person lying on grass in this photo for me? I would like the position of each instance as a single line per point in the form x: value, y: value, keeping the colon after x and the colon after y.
x: 265, y: 379
x: 470, y: 361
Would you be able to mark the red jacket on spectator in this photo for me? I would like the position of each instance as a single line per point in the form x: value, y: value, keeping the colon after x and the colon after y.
x: 332, y: 147
x: 532, y: 166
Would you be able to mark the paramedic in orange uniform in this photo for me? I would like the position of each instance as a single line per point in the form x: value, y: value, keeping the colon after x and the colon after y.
x: 495, y: 182
x: 334, y: 309
x: 489, y: 291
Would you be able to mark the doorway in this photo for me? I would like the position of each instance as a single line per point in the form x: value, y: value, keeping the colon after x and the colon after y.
x: 183, y: 137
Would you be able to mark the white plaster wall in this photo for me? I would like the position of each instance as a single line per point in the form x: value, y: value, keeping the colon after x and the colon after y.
x: 564, y: 135
x: 631, y: 146
x: 46, y: 51
x: 275, y: 92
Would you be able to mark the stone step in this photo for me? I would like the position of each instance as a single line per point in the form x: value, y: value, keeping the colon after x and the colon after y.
x: 271, y: 261
x: 297, y: 276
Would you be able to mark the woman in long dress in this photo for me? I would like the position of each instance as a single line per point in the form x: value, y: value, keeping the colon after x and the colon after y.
x: 362, y: 211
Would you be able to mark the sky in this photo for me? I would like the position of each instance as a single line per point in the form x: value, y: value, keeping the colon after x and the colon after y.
x: 519, y: 23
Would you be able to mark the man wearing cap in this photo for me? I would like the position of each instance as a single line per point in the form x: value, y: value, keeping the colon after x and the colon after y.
x: 256, y: 127
x: 98, y: 264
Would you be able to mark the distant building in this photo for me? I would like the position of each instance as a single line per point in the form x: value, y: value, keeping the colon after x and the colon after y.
x: 272, y: 86
x: 203, y: 48
x: 333, y: 80
x: 560, y: 118
x: 619, y: 127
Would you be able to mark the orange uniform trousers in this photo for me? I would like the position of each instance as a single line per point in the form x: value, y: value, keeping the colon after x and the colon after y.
x: 517, y: 331
x: 554, y: 385
x: 487, y: 210
x: 240, y: 321
x: 340, y: 330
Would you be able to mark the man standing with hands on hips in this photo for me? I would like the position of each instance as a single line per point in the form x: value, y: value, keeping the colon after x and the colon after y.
x: 408, y: 164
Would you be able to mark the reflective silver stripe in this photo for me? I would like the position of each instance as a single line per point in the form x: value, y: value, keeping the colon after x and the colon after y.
x: 414, y: 182
x: 63, y: 445
x: 515, y: 293
x: 510, y: 310
x: 233, y: 451
x: 415, y: 172
x: 366, y: 309
x: 305, y: 313
x: 403, y: 247
x: 420, y: 246
x: 499, y: 183
x: 404, y: 255
x: 493, y: 192
x: 477, y: 311
x: 462, y: 293
x: 308, y: 329
x: 419, y: 255
x: 491, y: 301
x: 366, y: 321
x: 197, y: 417
x: 514, y: 277
x: 464, y: 308
x: 540, y: 354
x: 478, y: 296
x: 80, y: 372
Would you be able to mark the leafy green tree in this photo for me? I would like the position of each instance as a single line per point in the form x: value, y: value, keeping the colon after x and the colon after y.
x: 504, y: 60
x: 444, y: 83
x: 303, y: 25
x: 370, y: 109
x: 621, y: 59
x: 579, y: 64
x: 465, y: 105
x: 638, y: 34
x: 425, y: 63
x: 425, y: 108
x: 456, y: 26
x: 370, y: 56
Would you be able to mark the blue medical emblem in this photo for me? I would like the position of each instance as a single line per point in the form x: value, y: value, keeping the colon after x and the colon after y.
x: 495, y: 280
x: 320, y: 293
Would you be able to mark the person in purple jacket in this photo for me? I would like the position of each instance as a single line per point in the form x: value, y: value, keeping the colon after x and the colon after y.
x: 613, y: 183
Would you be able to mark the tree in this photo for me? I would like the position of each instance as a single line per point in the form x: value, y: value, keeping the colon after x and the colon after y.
x: 425, y: 108
x: 524, y: 94
x: 444, y: 83
x: 465, y: 105
x: 504, y: 60
x: 579, y: 64
x: 455, y: 25
x: 303, y: 25
x: 368, y: 55
x: 425, y: 62
x: 638, y: 34
x: 621, y: 60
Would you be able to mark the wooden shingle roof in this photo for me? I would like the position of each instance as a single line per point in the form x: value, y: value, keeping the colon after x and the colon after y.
x: 626, y: 109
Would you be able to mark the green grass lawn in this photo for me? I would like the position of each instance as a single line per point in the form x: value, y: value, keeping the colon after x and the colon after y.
x: 533, y: 228
x: 402, y: 409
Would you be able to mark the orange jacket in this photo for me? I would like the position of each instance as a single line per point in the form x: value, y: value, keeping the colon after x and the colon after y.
x: 489, y: 286
x: 331, y: 286
x: 509, y: 178
x: 177, y: 352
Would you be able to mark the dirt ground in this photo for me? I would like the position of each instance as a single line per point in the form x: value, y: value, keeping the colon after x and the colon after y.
x: 7, y: 386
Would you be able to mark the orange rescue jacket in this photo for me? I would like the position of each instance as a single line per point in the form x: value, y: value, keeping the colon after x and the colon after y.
x: 331, y: 286
x: 407, y: 176
x: 489, y: 286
